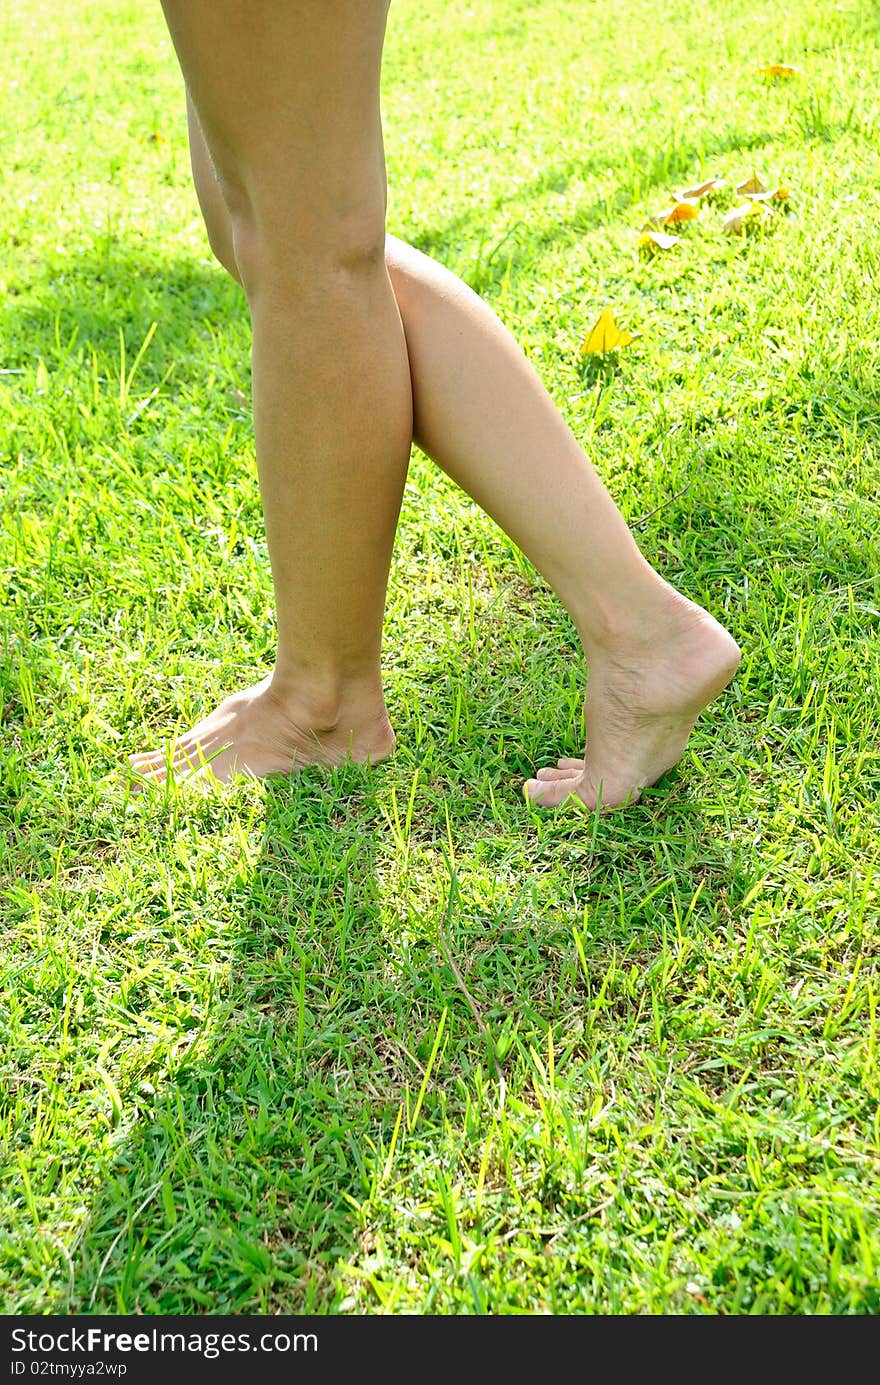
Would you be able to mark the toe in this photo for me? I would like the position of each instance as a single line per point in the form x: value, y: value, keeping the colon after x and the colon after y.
x: 147, y: 759
x: 143, y: 757
x: 139, y: 776
x: 549, y: 793
x: 184, y: 759
x: 142, y: 764
x: 549, y: 773
x: 570, y: 764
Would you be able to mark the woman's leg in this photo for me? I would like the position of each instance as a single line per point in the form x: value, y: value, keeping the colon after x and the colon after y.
x: 482, y: 413
x: 655, y: 659
x: 288, y: 100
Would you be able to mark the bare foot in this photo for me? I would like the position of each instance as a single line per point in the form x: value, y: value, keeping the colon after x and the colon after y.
x: 641, y: 704
x: 259, y: 732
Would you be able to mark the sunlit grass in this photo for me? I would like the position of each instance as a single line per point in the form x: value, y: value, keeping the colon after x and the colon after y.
x: 389, y: 1041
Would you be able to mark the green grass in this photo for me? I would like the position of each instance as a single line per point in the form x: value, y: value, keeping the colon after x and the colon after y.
x: 241, y: 1065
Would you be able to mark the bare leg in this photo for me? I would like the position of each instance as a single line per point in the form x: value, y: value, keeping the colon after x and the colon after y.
x: 481, y: 412
x: 288, y: 100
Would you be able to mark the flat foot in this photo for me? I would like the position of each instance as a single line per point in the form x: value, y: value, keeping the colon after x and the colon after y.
x: 256, y: 733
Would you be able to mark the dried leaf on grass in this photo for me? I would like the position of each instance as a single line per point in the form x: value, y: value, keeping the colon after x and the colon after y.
x: 779, y: 70
x: 685, y: 209
x: 751, y: 187
x: 652, y: 241
x: 699, y: 191
x: 745, y: 217
x: 780, y: 194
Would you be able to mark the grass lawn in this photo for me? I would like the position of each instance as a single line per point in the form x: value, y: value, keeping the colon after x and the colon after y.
x: 390, y: 1040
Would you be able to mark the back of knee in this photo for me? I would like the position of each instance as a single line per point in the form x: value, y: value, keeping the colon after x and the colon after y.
x: 221, y: 243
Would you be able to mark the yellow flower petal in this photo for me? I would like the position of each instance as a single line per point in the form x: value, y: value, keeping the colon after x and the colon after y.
x: 604, y: 336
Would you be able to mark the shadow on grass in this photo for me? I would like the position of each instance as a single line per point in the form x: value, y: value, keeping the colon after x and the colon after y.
x: 85, y: 299
x: 256, y: 1178
x: 233, y: 1189
x: 652, y: 166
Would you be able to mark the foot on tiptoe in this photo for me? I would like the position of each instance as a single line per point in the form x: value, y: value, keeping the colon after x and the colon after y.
x: 643, y: 698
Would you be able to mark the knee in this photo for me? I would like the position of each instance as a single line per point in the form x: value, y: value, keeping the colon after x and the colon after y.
x: 305, y: 241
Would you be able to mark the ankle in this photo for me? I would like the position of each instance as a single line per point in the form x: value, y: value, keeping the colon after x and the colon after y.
x: 327, y: 702
x: 634, y: 617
